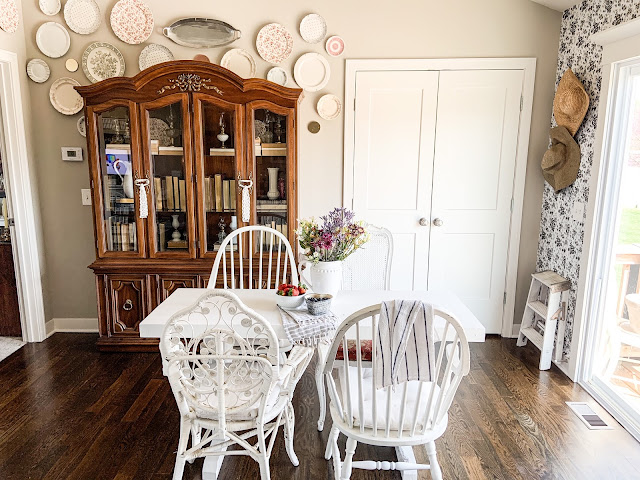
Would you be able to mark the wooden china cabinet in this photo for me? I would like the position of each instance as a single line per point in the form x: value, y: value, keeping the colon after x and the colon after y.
x: 182, y: 136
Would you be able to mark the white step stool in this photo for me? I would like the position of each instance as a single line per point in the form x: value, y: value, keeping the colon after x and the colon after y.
x: 546, y: 308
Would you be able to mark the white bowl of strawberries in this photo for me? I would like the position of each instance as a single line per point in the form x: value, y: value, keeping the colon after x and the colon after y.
x: 290, y: 296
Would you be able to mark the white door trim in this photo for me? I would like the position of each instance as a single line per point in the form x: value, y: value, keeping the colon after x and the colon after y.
x: 528, y: 65
x: 26, y: 232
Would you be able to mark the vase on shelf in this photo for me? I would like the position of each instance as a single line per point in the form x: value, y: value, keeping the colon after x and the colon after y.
x: 175, y: 236
x: 273, y: 193
x: 324, y: 277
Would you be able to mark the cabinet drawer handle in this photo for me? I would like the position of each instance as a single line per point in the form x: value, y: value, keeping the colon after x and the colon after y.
x: 128, y: 305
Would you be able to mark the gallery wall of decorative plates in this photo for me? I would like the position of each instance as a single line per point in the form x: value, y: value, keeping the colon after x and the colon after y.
x: 130, y: 24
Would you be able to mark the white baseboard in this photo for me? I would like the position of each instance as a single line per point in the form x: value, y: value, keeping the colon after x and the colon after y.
x: 71, y: 325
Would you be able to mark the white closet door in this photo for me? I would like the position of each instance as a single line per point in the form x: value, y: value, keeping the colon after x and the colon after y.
x: 475, y: 156
x: 395, y: 116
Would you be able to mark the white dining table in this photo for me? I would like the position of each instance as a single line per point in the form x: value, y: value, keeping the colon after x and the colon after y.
x: 343, y: 305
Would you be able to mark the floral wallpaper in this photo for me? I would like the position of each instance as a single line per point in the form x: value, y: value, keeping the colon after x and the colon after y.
x: 561, y: 237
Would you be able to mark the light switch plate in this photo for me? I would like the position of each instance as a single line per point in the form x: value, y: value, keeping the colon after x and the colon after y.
x: 577, y: 212
x: 86, y: 196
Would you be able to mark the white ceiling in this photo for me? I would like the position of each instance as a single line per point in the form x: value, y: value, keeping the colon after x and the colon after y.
x: 559, y: 5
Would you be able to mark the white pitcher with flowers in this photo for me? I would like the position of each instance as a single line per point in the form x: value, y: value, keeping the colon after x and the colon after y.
x: 325, y: 245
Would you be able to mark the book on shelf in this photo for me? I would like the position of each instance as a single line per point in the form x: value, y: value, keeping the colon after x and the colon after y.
x: 222, y: 152
x: 124, y: 236
x: 182, y: 186
x: 176, y: 193
x: 170, y: 150
x: 232, y: 194
x: 155, y: 147
x: 226, y: 199
x: 177, y: 244
x: 271, y: 205
x: 218, y: 191
x: 169, y: 189
x: 274, y: 149
x: 157, y: 191
x: 162, y: 236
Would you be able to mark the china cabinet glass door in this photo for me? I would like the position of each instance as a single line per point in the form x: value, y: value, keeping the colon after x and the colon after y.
x: 219, y: 153
x: 120, y: 231
x: 166, y: 124
x: 271, y: 165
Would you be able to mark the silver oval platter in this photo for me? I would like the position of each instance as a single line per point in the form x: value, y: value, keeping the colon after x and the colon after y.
x: 49, y: 7
x: 201, y: 33
x: 53, y: 39
x: 154, y: 54
x: 63, y: 96
x: 38, y: 70
x: 101, y: 61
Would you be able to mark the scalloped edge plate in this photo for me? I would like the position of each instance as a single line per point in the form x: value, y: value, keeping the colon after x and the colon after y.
x: 241, y: 52
x: 68, y: 109
x: 278, y: 75
x: 50, y: 7
x: 38, y: 76
x: 309, y: 26
x: 88, y: 7
x: 329, y: 107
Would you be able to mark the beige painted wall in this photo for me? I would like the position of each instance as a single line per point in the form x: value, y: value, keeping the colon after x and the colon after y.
x: 401, y: 29
x: 16, y: 43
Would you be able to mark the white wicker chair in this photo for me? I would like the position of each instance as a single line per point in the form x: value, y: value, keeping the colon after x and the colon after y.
x: 369, y: 267
x: 220, y: 345
x: 273, y: 259
x: 414, y: 413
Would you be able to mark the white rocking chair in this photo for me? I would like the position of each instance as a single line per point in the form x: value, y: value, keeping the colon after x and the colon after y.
x: 414, y: 413
x: 267, y: 251
x: 220, y: 345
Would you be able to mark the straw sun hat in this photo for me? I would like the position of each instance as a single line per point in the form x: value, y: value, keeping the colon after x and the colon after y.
x: 560, y: 164
x: 570, y: 103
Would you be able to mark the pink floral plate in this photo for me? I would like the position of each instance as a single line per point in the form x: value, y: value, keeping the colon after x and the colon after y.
x: 9, y: 18
x: 335, y: 46
x: 132, y: 21
x: 274, y: 43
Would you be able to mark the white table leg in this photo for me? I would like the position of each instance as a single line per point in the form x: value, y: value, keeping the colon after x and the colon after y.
x: 211, y: 467
x: 405, y: 454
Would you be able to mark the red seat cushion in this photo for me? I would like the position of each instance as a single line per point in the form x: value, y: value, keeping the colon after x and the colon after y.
x: 366, y: 348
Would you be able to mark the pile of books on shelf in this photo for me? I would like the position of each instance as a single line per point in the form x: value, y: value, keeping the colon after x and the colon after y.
x: 121, y: 235
x: 271, y: 205
x: 219, y: 194
x: 170, y: 193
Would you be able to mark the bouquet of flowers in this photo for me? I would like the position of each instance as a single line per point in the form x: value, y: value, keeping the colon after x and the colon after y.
x: 335, y: 239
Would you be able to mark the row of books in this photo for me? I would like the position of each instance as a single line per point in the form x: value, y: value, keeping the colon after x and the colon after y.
x: 123, y: 236
x: 219, y: 194
x: 171, y: 194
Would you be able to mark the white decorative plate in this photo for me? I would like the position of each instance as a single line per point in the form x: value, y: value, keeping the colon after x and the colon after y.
x: 132, y: 21
x: 64, y: 98
x: 71, y: 64
x: 101, y: 61
x: 313, y: 28
x: 49, y: 7
x: 81, y: 125
x: 9, y: 18
x: 335, y: 46
x: 240, y: 62
x: 38, y: 70
x: 329, y: 107
x: 82, y: 16
x: 274, y: 43
x: 278, y: 75
x: 53, y: 39
x: 312, y: 72
x: 154, y: 54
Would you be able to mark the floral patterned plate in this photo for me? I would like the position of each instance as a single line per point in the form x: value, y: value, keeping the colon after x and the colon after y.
x: 274, y: 43
x: 132, y: 21
x: 9, y: 18
x: 49, y: 7
x: 101, y: 61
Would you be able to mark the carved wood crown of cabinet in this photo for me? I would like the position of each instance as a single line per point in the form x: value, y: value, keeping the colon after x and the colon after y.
x: 139, y: 261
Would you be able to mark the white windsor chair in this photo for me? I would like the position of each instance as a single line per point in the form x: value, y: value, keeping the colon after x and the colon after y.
x: 273, y: 259
x: 220, y: 345
x: 414, y: 413
x: 368, y: 268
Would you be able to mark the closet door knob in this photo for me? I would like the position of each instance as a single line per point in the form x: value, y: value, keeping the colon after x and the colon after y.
x: 424, y: 222
x: 437, y: 222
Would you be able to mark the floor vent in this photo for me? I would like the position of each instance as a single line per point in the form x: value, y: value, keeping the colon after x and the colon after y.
x: 591, y: 419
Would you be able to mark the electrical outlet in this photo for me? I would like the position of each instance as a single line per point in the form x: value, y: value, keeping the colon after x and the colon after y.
x: 86, y: 196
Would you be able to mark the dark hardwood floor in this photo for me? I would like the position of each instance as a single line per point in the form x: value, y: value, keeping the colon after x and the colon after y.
x: 69, y: 412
